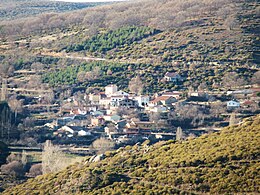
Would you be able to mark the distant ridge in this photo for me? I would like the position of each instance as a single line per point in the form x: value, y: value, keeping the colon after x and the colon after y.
x: 89, y: 1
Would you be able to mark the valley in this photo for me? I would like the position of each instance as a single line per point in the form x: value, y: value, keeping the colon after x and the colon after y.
x: 93, y: 95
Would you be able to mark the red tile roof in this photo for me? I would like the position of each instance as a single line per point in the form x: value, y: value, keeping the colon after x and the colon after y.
x: 160, y: 98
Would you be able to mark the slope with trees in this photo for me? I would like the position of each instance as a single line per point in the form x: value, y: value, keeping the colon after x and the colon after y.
x: 217, y: 163
x: 203, y: 41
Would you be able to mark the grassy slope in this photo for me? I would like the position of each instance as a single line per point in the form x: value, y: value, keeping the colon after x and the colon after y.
x: 224, y: 162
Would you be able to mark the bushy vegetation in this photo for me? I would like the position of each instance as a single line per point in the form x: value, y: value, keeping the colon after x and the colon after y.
x: 218, y: 163
x: 113, y: 39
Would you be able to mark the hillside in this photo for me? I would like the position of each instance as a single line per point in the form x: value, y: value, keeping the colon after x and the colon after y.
x: 218, y: 163
x: 201, y: 40
x: 14, y: 9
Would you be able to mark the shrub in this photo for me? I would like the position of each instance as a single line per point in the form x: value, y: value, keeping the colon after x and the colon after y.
x: 35, y: 170
x: 14, y: 168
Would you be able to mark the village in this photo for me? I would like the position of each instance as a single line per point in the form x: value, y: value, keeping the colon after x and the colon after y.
x: 129, y: 118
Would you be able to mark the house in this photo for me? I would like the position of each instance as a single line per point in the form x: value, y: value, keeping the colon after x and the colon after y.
x: 142, y: 127
x: 120, y: 93
x: 114, y: 101
x: 84, y: 133
x: 159, y: 108
x: 172, y: 77
x: 66, y: 129
x: 92, y: 108
x: 105, y: 102
x: 79, y: 111
x: 65, y: 120
x: 240, y: 92
x: 97, y: 113
x: 112, y: 117
x: 120, y: 124
x: 200, y: 94
x: 142, y: 100
x: 232, y: 105
x: 110, y: 89
x: 175, y: 94
x: 129, y: 103
x: 97, y: 121
x: 247, y: 103
x: 74, y: 130
x: 163, y: 100
x: 52, y: 125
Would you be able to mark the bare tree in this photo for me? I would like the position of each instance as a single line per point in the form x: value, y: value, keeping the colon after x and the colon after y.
x: 109, y: 72
x: 232, y: 79
x: 13, y: 157
x: 53, y: 159
x: 217, y: 109
x: 15, y: 105
x: 4, y: 91
x: 154, y: 117
x: 6, y: 69
x: 81, y: 99
x: 35, y: 81
x: 28, y: 123
x: 232, y: 119
x: 231, y: 22
x: 192, y: 114
x: 256, y: 78
x: 65, y: 94
x: 203, y: 87
x: 111, y: 128
x: 102, y: 145
x: 96, y: 72
x: 48, y: 99
x: 37, y: 66
x: 179, y: 134
x: 136, y: 85
x: 81, y: 76
x: 24, y: 158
